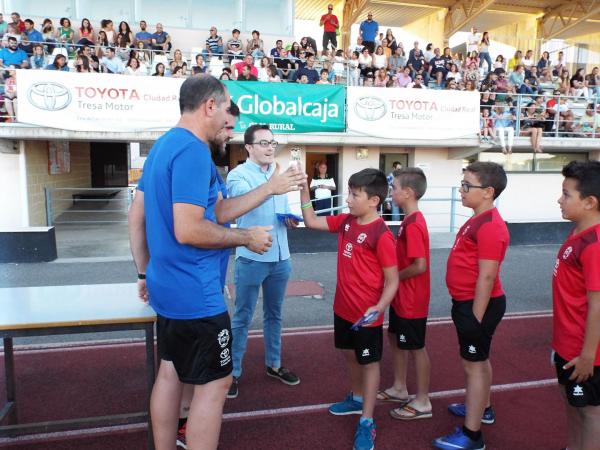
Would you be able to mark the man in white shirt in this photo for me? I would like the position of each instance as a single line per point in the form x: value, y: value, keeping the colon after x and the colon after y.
x: 473, y: 40
x: 358, y: 47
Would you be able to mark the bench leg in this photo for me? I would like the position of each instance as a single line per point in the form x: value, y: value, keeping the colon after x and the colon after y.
x: 150, y: 374
x: 10, y: 409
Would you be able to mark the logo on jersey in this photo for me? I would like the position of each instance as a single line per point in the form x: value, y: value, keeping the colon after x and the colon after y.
x: 402, y: 338
x: 225, y: 357
x: 347, y: 227
x: 348, y: 250
x: 556, y: 264
x: 223, y: 338
x: 361, y: 238
x: 400, y: 230
x: 466, y: 230
x: 472, y: 349
x: 365, y: 352
x: 567, y: 252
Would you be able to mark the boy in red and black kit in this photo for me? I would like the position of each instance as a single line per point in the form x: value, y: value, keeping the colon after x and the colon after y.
x: 367, y: 281
x: 576, y: 299
x: 478, y: 300
x: 408, y: 312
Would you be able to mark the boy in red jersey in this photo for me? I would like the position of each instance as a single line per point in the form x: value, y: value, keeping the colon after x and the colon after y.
x: 367, y: 281
x: 576, y: 301
x: 478, y: 300
x: 408, y: 311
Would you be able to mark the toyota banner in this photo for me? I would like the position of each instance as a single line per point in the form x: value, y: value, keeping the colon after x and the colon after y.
x: 120, y: 103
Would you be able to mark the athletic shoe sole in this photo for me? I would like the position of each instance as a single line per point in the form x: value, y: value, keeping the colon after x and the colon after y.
x: 289, y: 383
x: 181, y: 444
x: 354, y: 448
x: 345, y: 413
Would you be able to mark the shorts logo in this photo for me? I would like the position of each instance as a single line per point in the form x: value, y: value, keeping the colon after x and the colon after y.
x: 347, y: 227
x: 365, y: 352
x: 402, y: 338
x: 348, y: 250
x: 567, y: 252
x: 361, y: 238
x: 223, y: 338
x: 472, y: 349
x: 225, y: 357
x: 577, y: 391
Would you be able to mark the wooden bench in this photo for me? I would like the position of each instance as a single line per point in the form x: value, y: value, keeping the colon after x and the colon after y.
x: 52, y: 310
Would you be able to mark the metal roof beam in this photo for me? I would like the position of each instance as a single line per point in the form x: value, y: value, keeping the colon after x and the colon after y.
x: 462, y: 13
x: 562, y: 18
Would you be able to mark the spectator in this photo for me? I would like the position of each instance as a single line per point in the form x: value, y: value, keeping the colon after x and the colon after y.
x: 93, y: 59
x: 178, y: 58
x: 144, y: 36
x: 473, y: 40
x: 547, y: 81
x: 486, y: 124
x: 381, y: 79
x: 3, y: 25
x: 225, y: 76
x: 517, y: 79
x: 159, y: 70
x: 528, y: 61
x: 490, y: 82
x: 473, y: 58
x: 499, y: 63
x: 60, y: 63
x: 39, y: 60
x: 564, y: 82
x: 417, y: 83
x: 199, y: 67
x: 26, y: 45
x: 214, y: 45
x: 311, y: 74
x: 13, y: 56
x: 532, y: 126
x: 122, y: 49
x: 102, y: 45
x: 391, y: 41
x: 484, y: 51
x: 579, y: 84
x: 454, y: 74
x: 246, y: 74
x: 107, y: 26
x: 255, y: 45
x: 295, y: 50
x: 322, y: 185
x: 273, y: 75
x: 437, y: 68
x: 412, y: 51
x: 309, y: 45
x: 369, y: 78
x: 10, y: 94
x: 142, y: 54
x: 330, y: 24
x: 161, y: 40
x: 593, y: 81
x: 82, y: 64
x: 17, y: 22
x: 353, y: 70
x: 11, y: 32
x: 379, y: 59
x: 276, y: 51
x: 365, y: 61
x: 285, y: 68
x: 559, y: 64
x: 428, y: 53
x: 263, y: 75
x: 532, y: 79
x: 48, y: 34
x: 470, y: 85
x: 178, y: 72
x: 125, y: 34
x: 403, y: 78
x: 338, y: 66
x: 544, y: 62
x: 588, y: 124
x: 502, y: 86
x: 134, y: 68
x: 447, y: 55
x: 111, y: 62
x: 515, y: 60
x: 472, y: 72
x: 379, y: 40
x: 34, y: 36
x: 248, y: 61
x: 358, y: 47
x: 324, y: 77
x: 415, y: 61
x: 368, y: 32
x: 86, y: 33
x: 397, y: 61
x: 66, y: 34
x: 452, y: 85
x: 504, y: 123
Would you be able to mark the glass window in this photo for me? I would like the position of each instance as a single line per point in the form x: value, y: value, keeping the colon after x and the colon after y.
x: 554, y: 162
x: 115, y: 10
x: 170, y: 14
x: 223, y: 14
x: 386, y: 160
x: 269, y: 16
x: 515, y: 162
x: 55, y: 8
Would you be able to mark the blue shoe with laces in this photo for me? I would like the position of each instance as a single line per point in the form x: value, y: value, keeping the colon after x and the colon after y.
x: 460, y: 410
x: 346, y: 406
x: 364, y: 438
x: 458, y: 441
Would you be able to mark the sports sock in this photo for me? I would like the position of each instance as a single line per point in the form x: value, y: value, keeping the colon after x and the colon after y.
x: 357, y: 398
x: 366, y: 421
x: 473, y: 435
x: 181, y: 423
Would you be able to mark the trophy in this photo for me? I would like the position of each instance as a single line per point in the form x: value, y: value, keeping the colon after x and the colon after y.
x: 295, y: 155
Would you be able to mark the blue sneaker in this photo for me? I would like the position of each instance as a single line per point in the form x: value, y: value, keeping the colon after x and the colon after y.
x: 364, y: 438
x: 458, y: 441
x: 347, y: 406
x: 460, y: 410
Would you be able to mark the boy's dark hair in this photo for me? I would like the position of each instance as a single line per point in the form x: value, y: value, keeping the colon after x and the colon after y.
x: 324, y: 71
x: 372, y: 181
x: 249, y: 133
x: 490, y: 174
x: 414, y: 178
x: 587, y: 175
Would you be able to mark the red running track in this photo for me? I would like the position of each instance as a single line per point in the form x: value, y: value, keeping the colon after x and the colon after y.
x: 103, y: 380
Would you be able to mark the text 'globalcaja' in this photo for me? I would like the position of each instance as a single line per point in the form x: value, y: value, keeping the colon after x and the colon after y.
x: 253, y: 104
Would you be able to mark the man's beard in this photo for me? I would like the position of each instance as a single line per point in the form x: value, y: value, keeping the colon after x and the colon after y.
x: 217, y: 150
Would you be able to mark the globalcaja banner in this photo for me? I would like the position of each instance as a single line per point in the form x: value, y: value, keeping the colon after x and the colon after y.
x: 289, y: 107
x: 412, y: 113
x: 120, y: 103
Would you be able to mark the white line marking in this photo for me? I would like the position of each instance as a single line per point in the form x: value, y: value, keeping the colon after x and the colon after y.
x: 251, y: 414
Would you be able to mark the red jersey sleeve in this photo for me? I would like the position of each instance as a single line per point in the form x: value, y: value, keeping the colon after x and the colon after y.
x: 590, y: 260
x: 490, y: 244
x: 386, y: 250
x: 415, y: 242
x: 334, y: 222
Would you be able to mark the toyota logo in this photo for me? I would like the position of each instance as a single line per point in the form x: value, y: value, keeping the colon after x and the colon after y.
x: 49, y: 96
x: 370, y: 108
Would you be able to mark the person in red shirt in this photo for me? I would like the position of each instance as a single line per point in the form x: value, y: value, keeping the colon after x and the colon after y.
x: 478, y: 300
x: 367, y: 281
x: 247, y: 62
x: 576, y: 304
x: 409, y: 309
x: 330, y: 24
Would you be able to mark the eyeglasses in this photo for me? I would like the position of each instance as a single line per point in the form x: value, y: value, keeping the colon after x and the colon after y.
x: 465, y: 186
x: 264, y: 143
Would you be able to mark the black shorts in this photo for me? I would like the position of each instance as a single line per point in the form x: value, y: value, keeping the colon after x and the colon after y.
x: 410, y: 333
x: 475, y: 338
x: 200, y: 349
x: 367, y: 342
x: 578, y: 394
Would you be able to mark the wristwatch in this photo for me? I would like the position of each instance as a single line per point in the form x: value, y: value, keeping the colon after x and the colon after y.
x: 141, y: 276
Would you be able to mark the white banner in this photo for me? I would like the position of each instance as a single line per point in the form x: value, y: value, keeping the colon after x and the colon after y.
x: 96, y: 102
x: 412, y: 113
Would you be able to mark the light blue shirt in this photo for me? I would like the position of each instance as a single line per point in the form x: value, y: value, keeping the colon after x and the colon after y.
x: 115, y: 64
x: 243, y: 179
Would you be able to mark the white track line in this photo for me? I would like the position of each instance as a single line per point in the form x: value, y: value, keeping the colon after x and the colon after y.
x: 306, y: 409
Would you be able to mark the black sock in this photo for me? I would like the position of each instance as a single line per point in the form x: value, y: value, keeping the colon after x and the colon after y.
x: 473, y: 435
x: 182, y: 421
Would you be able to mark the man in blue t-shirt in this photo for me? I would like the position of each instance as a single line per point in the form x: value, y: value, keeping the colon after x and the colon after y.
x: 161, y: 40
x: 368, y: 32
x: 13, y: 56
x: 174, y: 217
x: 143, y: 35
x: 35, y: 37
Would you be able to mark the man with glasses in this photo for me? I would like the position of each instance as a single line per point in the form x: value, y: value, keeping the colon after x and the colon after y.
x: 161, y: 39
x: 271, y: 270
x: 214, y: 44
x: 368, y: 32
x: 311, y: 73
x: 418, y: 83
x: 330, y: 24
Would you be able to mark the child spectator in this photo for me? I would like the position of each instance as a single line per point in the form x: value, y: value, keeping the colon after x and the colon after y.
x: 367, y: 281
x: 338, y: 66
x: 576, y: 304
x: 504, y: 123
x: 324, y: 75
x: 488, y: 132
x: 588, y: 124
x: 403, y: 78
x: 234, y: 45
x: 478, y: 300
x: 353, y: 70
x: 38, y: 61
x: 409, y: 309
x: 273, y: 74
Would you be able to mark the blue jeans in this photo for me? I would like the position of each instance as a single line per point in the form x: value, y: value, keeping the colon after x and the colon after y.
x: 485, y: 56
x: 219, y: 52
x: 249, y: 276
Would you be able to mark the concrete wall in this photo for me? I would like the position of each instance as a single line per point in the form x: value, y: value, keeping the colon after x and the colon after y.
x: 13, y: 202
x: 36, y: 155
